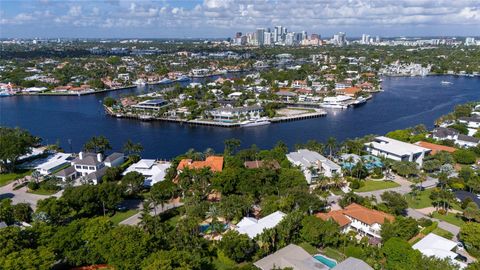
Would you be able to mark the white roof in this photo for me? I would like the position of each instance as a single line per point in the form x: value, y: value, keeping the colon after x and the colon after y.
x: 307, y: 158
x: 153, y: 171
x: 53, y: 161
x: 253, y: 227
x: 395, y: 147
x: 434, y: 245
x: 337, y: 98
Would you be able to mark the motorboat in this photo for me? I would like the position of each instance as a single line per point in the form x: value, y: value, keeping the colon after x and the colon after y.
x: 446, y: 82
x: 255, y: 122
x: 165, y: 81
x: 336, y: 102
x: 140, y: 82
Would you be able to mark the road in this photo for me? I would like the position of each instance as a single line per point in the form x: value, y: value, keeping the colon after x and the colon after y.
x: 441, y: 224
x: 22, y: 196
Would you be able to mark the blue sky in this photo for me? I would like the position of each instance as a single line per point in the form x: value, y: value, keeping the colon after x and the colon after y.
x: 222, y: 18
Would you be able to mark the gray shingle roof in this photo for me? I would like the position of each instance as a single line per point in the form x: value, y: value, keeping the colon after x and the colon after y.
x: 89, y: 159
x: 465, y: 138
x: 442, y: 132
x: 352, y: 264
x: 290, y: 256
x: 66, y: 172
x: 113, y: 157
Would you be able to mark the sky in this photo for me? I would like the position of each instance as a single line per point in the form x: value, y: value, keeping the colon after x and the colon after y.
x: 222, y: 18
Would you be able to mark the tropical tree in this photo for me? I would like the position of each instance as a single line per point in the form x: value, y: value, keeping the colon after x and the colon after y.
x: 14, y: 143
x: 97, y: 144
x: 131, y: 148
x: 331, y: 145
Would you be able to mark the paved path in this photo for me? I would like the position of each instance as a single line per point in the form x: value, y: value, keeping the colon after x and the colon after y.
x: 22, y: 196
x: 441, y: 224
x: 135, y: 219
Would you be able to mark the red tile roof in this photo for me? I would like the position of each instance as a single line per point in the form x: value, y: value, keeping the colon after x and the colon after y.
x: 358, y: 212
x: 215, y: 163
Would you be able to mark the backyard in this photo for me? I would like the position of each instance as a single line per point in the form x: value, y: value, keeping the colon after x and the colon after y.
x: 376, y: 185
x: 6, y: 178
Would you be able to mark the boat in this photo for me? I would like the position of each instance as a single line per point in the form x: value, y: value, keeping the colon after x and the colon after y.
x: 337, y: 102
x: 165, y: 81
x: 255, y: 122
x: 359, y: 101
x: 145, y: 117
x: 182, y: 78
x: 446, y: 82
x: 140, y: 82
x: 4, y: 94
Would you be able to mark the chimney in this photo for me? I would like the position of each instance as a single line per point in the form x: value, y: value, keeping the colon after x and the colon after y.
x: 99, y: 157
x: 80, y: 155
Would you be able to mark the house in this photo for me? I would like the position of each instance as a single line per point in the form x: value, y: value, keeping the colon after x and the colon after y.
x: 349, y: 91
x: 256, y: 164
x: 290, y: 257
x: 153, y: 171
x: 151, y: 105
x: 352, y: 264
x: 466, y: 141
x: 92, y: 166
x: 355, y: 217
x: 215, y: 163
x: 53, y: 163
x: 230, y: 114
x: 435, y: 148
x: 67, y: 174
x: 437, y: 246
x: 299, y: 84
x: 286, y: 95
x: 313, y: 164
x: 471, y: 122
x: 386, y: 147
x: 253, y: 227
x: 444, y: 133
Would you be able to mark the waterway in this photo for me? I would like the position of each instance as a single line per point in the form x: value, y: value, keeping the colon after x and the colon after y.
x: 71, y: 120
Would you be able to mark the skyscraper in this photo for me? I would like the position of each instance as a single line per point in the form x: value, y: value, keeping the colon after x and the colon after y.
x: 260, y: 36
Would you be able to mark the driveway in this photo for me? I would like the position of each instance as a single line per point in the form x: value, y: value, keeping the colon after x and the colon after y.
x: 441, y: 224
x: 403, y: 189
x: 22, y: 196
x: 135, y: 219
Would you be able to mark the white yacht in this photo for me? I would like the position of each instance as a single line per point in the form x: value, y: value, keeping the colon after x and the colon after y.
x: 140, y: 82
x: 359, y: 100
x: 337, y: 102
x: 446, y: 82
x: 255, y: 122
x: 165, y: 81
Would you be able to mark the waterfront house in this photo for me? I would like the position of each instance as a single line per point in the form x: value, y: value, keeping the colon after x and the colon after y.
x: 290, y: 257
x: 93, y: 166
x: 286, y: 96
x: 439, y: 247
x: 67, y: 174
x: 466, y: 141
x: 358, y: 218
x: 231, y: 114
x: 435, y: 148
x: 253, y: 227
x: 349, y: 91
x: 215, y: 163
x: 299, y: 84
x: 386, y: 147
x: 114, y: 160
x: 444, y: 133
x: 151, y: 105
x: 256, y: 164
x: 53, y: 163
x: 471, y: 122
x: 313, y: 165
x: 153, y: 171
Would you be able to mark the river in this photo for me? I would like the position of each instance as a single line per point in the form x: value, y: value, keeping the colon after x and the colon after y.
x: 406, y: 101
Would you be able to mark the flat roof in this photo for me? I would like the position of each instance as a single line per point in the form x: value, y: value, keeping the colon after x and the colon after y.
x: 396, y: 147
x: 434, y: 245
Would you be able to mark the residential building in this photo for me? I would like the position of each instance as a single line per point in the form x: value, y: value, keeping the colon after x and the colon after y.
x: 466, y: 141
x: 471, y: 122
x: 114, y: 160
x: 290, y: 257
x: 257, y: 164
x: 397, y: 150
x: 444, y: 133
x: 352, y: 264
x: 151, y: 105
x: 253, y: 227
x: 437, y: 246
x: 314, y: 165
x: 153, y: 171
x: 231, y: 114
x: 53, y: 163
x: 349, y: 91
x: 364, y: 221
x: 92, y: 166
x: 215, y: 163
x: 435, y: 148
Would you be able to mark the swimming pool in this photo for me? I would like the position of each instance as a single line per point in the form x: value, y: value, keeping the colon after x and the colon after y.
x: 330, y: 263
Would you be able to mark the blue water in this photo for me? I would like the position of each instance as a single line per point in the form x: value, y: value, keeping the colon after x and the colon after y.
x: 406, y: 102
x: 328, y: 262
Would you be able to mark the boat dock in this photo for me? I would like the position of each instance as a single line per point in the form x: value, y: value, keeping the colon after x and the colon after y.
x: 316, y: 114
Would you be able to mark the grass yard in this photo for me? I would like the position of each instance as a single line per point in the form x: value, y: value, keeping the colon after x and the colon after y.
x: 333, y: 253
x: 42, y: 191
x: 422, y: 200
x: 450, y: 218
x: 6, y: 178
x: 121, y: 216
x: 377, y: 185
x: 443, y: 233
x: 308, y: 248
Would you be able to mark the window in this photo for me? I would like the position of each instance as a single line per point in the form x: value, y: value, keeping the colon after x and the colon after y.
x: 91, y: 168
x: 85, y: 167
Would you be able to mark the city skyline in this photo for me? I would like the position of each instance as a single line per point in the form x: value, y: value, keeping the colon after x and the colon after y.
x: 219, y: 19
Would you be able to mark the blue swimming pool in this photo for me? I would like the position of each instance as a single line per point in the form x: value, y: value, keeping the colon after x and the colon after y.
x: 327, y: 261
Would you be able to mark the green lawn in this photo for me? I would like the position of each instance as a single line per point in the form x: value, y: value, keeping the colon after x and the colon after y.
x: 308, y: 248
x: 443, y: 233
x: 450, y: 218
x: 422, y: 199
x: 42, y: 191
x: 376, y: 185
x: 121, y: 216
x: 333, y: 253
x: 6, y: 178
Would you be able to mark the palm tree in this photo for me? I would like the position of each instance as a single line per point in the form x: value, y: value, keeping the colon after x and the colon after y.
x: 331, y: 144
x: 132, y: 148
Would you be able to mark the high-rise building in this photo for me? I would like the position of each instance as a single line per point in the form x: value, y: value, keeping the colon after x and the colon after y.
x: 365, y: 39
x: 267, y: 38
x: 304, y: 35
x: 469, y: 41
x: 290, y: 39
x: 377, y: 39
x: 339, y: 39
x: 315, y: 36
x: 260, y: 34
x: 277, y: 34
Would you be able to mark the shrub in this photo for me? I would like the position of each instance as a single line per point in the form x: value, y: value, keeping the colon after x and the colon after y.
x: 425, y: 222
x: 464, y: 156
x: 33, y: 185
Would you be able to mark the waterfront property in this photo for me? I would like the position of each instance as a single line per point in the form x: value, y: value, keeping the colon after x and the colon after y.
x: 231, y: 114
x: 444, y: 133
x: 437, y: 246
x: 313, y: 165
x: 386, y: 147
x: 291, y: 256
x: 215, y: 163
x: 435, y: 148
x: 364, y: 221
x: 53, y: 163
x: 253, y: 227
x: 352, y: 264
x: 369, y: 162
x: 153, y: 170
x: 91, y: 166
x: 151, y: 105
